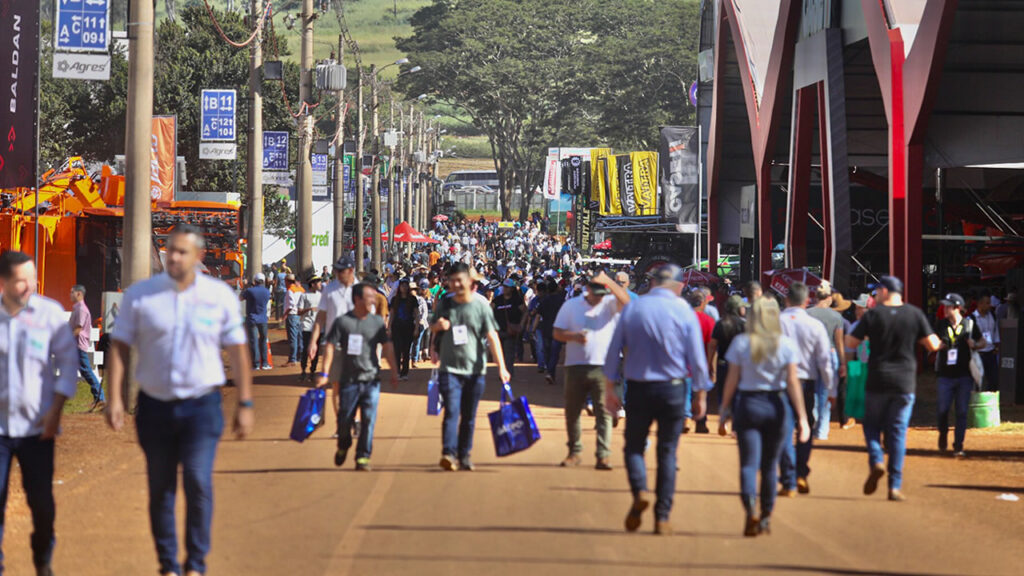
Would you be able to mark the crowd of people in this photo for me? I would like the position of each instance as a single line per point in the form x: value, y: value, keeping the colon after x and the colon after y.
x: 644, y: 349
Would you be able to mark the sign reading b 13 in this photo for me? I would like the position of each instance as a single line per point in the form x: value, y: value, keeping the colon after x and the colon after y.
x: 217, y: 116
x: 82, y: 25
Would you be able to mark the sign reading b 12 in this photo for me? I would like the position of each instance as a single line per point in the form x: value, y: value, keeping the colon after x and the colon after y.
x: 82, y: 25
x: 275, y: 151
x: 217, y: 116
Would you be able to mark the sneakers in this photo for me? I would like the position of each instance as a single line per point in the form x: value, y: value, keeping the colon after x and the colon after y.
x: 466, y: 465
x: 960, y: 454
x: 802, y: 486
x: 850, y: 423
x: 896, y: 496
x: 702, y: 427
x: 549, y: 379
x: 449, y: 463
x: 363, y: 465
x: 571, y: 461
x: 266, y: 367
x: 943, y: 442
x: 752, y: 527
x: 635, y: 515
x: 787, y: 493
x: 602, y: 464
x: 662, y: 528
x: 339, y: 457
x: 871, y: 484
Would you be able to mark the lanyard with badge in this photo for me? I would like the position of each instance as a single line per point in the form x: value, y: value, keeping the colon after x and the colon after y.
x: 953, y: 353
x: 354, y: 347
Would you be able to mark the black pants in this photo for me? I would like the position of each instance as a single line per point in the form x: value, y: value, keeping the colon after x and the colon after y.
x: 841, y: 400
x: 403, y: 338
x: 306, y: 337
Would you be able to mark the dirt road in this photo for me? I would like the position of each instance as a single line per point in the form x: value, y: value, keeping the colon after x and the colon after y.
x: 283, y: 509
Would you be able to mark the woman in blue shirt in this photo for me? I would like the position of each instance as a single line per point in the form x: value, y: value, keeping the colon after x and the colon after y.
x: 762, y: 372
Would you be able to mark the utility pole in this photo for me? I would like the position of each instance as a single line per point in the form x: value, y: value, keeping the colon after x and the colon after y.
x: 137, y: 237
x: 375, y: 175
x: 304, y: 171
x: 339, y: 165
x: 394, y: 184
x: 254, y: 181
x: 357, y: 221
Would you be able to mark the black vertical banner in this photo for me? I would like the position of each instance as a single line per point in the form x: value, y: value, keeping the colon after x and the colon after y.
x: 19, y: 74
x: 680, y: 180
x: 624, y: 163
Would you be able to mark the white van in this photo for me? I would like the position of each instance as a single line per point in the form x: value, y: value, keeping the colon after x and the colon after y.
x: 487, y: 179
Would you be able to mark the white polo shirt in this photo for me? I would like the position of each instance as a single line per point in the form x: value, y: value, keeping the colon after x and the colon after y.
x: 599, y: 322
x: 336, y: 301
x: 179, y: 335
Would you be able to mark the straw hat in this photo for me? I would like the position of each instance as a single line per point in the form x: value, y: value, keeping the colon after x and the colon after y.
x: 840, y: 304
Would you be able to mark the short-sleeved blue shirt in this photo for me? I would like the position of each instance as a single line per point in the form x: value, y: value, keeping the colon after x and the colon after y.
x: 256, y: 298
x: 770, y: 374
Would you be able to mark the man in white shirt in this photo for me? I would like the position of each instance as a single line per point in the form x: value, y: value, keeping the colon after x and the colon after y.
x: 335, y: 302
x: 293, y: 320
x: 308, y: 308
x: 178, y: 323
x: 35, y: 343
x: 586, y: 324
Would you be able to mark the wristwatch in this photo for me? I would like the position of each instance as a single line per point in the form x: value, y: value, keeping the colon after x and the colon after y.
x: 245, y: 404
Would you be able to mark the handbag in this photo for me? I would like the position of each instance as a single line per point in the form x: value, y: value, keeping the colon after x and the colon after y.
x: 434, y: 399
x: 309, y: 414
x: 512, y: 425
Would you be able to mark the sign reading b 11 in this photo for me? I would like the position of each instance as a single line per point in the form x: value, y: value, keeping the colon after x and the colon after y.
x: 82, y: 25
x: 217, y: 116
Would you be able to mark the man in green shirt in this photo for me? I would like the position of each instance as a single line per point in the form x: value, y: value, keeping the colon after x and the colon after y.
x: 464, y: 327
x: 355, y: 377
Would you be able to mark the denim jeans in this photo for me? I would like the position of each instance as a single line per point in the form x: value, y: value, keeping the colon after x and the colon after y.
x: 648, y: 402
x: 185, y: 433
x: 508, y: 351
x: 950, y: 389
x: 688, y: 402
x: 538, y: 349
x: 552, y: 350
x: 304, y: 361
x: 257, y: 332
x: 759, y: 419
x: 461, y: 395
x: 85, y: 369
x: 364, y: 396
x: 822, y: 411
x: 35, y: 457
x: 888, y: 414
x: 422, y: 342
x: 294, y: 325
x: 796, y: 455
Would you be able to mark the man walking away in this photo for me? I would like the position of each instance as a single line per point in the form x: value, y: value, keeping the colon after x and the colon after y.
x: 697, y: 299
x: 893, y: 328
x: 464, y: 326
x: 833, y: 323
x: 989, y: 327
x: 508, y: 312
x: 662, y: 344
x: 586, y: 324
x: 355, y: 377
x: 293, y: 321
x: 547, y: 310
x: 308, y: 305
x: 81, y: 328
x: 178, y: 321
x: 959, y: 336
x: 257, y: 299
x: 813, y: 363
x: 37, y: 344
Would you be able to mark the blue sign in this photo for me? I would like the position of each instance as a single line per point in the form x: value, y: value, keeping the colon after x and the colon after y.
x: 346, y: 180
x: 275, y: 151
x: 319, y: 162
x: 217, y: 116
x: 82, y: 25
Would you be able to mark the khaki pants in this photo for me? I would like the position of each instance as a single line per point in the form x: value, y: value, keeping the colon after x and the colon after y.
x: 579, y: 381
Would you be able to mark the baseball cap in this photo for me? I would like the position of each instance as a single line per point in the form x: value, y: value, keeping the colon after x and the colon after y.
x: 343, y: 263
x: 890, y: 283
x: 314, y: 278
x: 259, y: 277
x: 510, y: 283
x: 953, y: 299
x: 668, y: 272
x: 824, y: 290
x: 862, y: 301
x: 371, y: 279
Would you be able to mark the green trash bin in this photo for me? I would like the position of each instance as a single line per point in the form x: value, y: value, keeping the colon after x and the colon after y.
x: 983, y: 411
x: 856, y: 380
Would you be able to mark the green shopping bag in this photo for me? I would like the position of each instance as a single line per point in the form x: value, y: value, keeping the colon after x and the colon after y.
x: 856, y: 380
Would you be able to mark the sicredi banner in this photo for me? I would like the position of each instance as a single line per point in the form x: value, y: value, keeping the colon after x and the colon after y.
x: 19, y: 64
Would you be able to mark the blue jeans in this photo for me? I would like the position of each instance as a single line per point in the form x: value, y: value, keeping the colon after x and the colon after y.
x: 951, y: 389
x: 461, y: 395
x: 364, y: 396
x: 648, y: 402
x: 796, y: 455
x: 185, y: 433
x: 688, y: 406
x: 257, y: 332
x: 822, y: 411
x: 552, y: 350
x: 889, y: 414
x: 538, y: 348
x: 85, y: 369
x: 759, y: 419
x: 35, y: 457
x: 294, y: 325
x: 422, y: 342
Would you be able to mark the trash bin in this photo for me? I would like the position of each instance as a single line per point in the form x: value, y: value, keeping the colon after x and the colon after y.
x: 983, y: 411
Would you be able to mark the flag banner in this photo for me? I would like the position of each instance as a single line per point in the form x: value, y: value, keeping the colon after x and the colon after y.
x: 573, y: 175
x: 552, y: 175
x: 597, y: 186
x: 161, y: 159
x: 680, y: 176
x: 610, y: 204
x: 627, y: 197
x: 19, y: 66
x: 586, y: 226
x: 645, y: 182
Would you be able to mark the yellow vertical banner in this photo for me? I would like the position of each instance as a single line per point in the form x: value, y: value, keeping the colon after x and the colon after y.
x: 645, y: 182
x: 597, y: 186
x: 608, y: 175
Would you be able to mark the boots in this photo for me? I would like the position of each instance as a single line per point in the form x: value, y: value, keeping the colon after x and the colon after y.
x: 752, y: 524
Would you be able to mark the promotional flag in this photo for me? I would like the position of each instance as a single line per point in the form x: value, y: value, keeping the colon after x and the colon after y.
x: 609, y: 176
x: 19, y: 65
x: 680, y: 176
x: 627, y: 197
x: 574, y: 182
x: 552, y: 175
x: 161, y: 159
x: 597, y: 186
x: 645, y: 182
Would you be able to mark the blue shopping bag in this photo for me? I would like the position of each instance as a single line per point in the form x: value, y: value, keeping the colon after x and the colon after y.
x: 309, y: 414
x: 434, y: 399
x: 512, y: 426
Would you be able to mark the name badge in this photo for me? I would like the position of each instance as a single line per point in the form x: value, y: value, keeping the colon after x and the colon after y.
x: 987, y: 336
x: 355, y: 344
x: 37, y: 344
x: 460, y: 335
x: 951, y: 355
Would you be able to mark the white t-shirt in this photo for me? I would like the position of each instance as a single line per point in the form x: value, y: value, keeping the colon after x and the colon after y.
x: 599, y: 322
x: 336, y: 301
x: 309, y: 300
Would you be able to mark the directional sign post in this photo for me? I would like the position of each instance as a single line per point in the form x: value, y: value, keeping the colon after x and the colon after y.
x: 217, y: 125
x: 81, y: 39
x: 319, y: 162
x: 275, y: 151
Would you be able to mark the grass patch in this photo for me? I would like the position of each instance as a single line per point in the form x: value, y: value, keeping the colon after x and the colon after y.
x: 82, y: 401
x: 469, y: 147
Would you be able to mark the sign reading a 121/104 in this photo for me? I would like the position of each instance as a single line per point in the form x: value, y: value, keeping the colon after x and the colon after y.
x: 217, y: 115
x: 275, y: 151
x: 82, y: 25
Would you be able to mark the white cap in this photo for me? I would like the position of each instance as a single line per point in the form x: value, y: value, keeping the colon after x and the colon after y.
x: 259, y: 277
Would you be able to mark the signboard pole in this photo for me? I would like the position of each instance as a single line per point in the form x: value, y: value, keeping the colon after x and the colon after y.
x: 254, y: 182
x: 39, y: 59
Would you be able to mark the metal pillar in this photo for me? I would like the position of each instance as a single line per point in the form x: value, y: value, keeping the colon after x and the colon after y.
x: 304, y: 170
x: 254, y: 161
